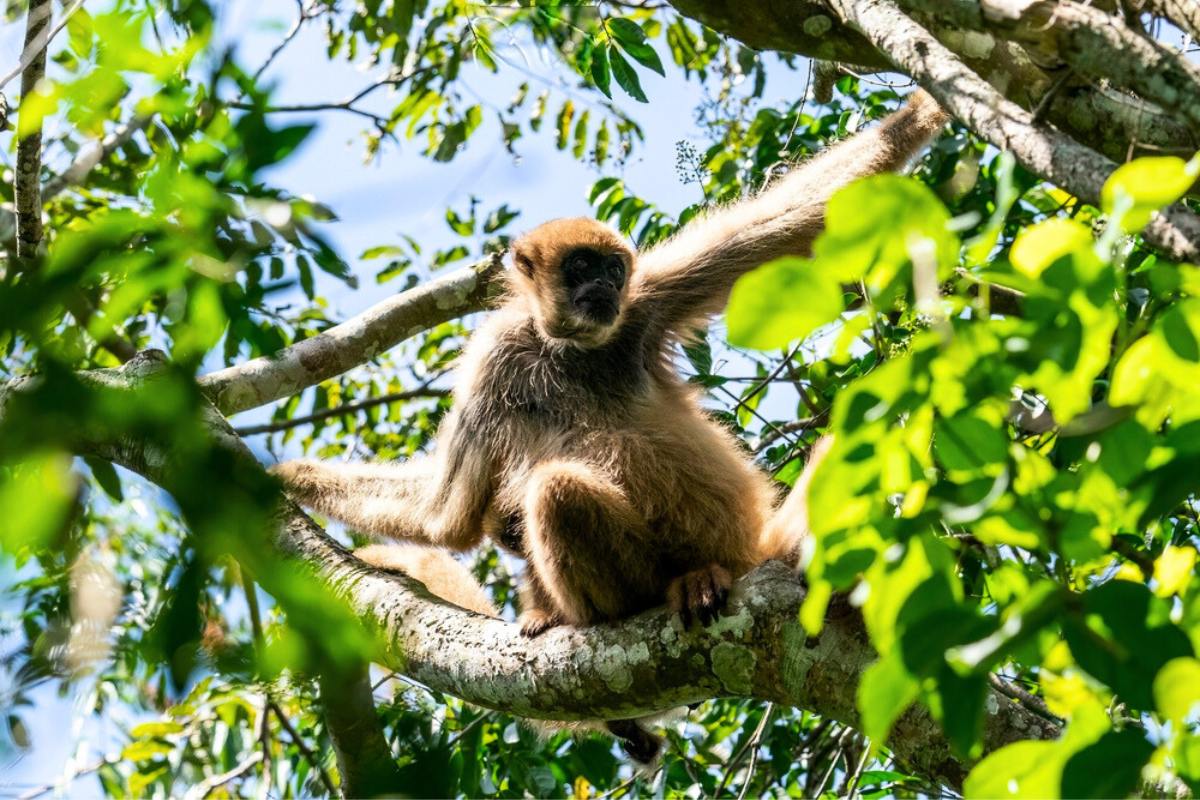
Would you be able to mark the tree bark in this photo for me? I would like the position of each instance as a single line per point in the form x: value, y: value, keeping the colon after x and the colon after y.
x: 27, y: 187
x: 1098, y: 117
x: 354, y: 342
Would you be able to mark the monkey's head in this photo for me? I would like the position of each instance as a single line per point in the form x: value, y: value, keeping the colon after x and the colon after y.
x: 575, y: 273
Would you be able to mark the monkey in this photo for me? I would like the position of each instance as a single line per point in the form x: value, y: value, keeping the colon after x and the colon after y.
x: 574, y: 442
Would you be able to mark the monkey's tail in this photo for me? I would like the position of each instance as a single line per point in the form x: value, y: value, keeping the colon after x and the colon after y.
x: 445, y: 577
x: 787, y: 529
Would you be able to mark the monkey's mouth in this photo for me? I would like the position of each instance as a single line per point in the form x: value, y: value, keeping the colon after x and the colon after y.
x: 598, y: 304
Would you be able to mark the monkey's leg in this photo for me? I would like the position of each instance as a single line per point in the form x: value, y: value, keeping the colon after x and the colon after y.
x: 590, y: 549
x: 701, y: 592
x: 538, y: 610
x: 384, y: 499
x: 637, y: 742
x: 789, y: 525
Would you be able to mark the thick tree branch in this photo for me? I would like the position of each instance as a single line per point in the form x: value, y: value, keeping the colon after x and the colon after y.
x: 1097, y: 44
x: 649, y: 663
x: 28, y: 187
x: 354, y: 342
x: 1040, y: 149
x: 1096, y: 116
x: 365, y: 762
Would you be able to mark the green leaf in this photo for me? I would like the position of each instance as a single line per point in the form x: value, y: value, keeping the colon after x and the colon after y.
x: 1139, y: 188
x: 1112, y: 767
x: 81, y: 30
x: 106, y: 475
x: 627, y: 79
x: 780, y: 302
x: 1035, y: 769
x: 1177, y: 688
x: 1041, y: 245
x: 886, y: 690
x: 1123, y: 637
x: 499, y: 218
x: 968, y: 442
x: 463, y: 227
x: 600, y: 71
x: 632, y: 40
x: 877, y: 227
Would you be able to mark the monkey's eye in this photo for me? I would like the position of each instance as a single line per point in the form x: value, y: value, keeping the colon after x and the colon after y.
x: 613, y: 267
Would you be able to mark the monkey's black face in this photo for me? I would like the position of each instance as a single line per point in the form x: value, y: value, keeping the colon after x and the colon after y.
x: 593, y: 283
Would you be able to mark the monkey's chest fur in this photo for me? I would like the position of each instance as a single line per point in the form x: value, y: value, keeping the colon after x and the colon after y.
x: 620, y: 413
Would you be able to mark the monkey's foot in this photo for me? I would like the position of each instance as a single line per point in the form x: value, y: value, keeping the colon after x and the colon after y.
x: 536, y: 622
x: 702, y: 592
x: 638, y: 743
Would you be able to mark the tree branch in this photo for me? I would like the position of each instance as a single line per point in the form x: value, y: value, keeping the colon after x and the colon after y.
x: 346, y: 408
x: 1184, y: 14
x: 78, y: 170
x: 1040, y: 149
x: 27, y: 187
x: 354, y: 342
x: 646, y: 664
x: 365, y: 761
x: 1097, y: 44
x: 1094, y: 115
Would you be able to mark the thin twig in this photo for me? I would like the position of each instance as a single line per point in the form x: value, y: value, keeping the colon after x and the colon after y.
x: 784, y: 428
x: 347, y: 408
x: 89, y: 769
x: 755, y: 743
x: 731, y: 765
x: 37, y: 47
x: 303, y: 747
x: 210, y: 784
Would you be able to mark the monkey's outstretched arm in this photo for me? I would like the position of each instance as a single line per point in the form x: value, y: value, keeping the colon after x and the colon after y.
x: 688, y: 278
x: 436, y: 501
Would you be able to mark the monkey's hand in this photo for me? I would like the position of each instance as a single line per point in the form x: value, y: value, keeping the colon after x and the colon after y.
x: 702, y: 592
x: 537, y: 621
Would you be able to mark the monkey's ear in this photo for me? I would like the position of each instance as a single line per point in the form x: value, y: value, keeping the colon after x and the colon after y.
x: 522, y: 261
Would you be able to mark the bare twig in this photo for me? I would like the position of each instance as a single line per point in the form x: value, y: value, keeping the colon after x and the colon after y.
x: 82, y: 166
x: 773, y: 434
x: 754, y: 743
x: 37, y: 47
x: 211, y: 784
x: 49, y: 787
x: 346, y: 408
x: 313, y: 760
x: 28, y: 182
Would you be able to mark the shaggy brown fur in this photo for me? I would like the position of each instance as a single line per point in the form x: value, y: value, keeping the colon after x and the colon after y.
x: 574, y: 440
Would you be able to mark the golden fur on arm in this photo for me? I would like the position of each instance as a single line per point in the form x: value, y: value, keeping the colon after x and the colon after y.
x: 688, y: 278
x: 395, y: 500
